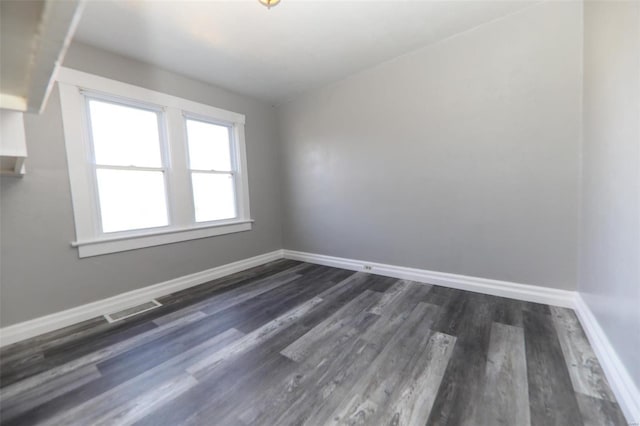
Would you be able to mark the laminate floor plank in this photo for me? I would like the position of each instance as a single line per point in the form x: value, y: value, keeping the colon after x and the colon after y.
x: 508, y: 311
x: 51, y: 339
x: 76, y: 345
x: 380, y: 283
x: 236, y: 295
x: 256, y: 311
x: 370, y: 399
x: 468, y: 318
x: 291, y: 343
x: 59, y: 372
x: 234, y: 369
x: 316, y: 388
x: 274, y: 305
x: 322, y: 383
x: 395, y: 311
x: 95, y: 342
x: 600, y: 412
x: 551, y: 397
x: 318, y: 377
x: 586, y: 374
x: 98, y: 398
x: 342, y: 324
x: 139, y: 406
x: 390, y: 296
x: 260, y: 379
x: 252, y: 371
x: 412, y: 402
x: 224, y: 284
x: 123, y: 398
x: 503, y: 399
x: 253, y: 339
x: 98, y: 326
x: 17, y: 403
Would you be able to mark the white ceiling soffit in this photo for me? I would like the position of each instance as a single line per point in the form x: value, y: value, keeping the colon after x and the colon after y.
x: 34, y: 35
x: 275, y: 54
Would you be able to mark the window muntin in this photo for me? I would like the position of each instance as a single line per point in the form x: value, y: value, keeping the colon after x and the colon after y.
x: 212, y: 168
x: 126, y: 143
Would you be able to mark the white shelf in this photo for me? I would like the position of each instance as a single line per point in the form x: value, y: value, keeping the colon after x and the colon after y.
x: 13, y: 143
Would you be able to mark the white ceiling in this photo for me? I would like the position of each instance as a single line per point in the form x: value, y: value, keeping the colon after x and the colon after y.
x: 278, y: 53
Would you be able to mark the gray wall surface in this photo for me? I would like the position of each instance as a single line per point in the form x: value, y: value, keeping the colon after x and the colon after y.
x: 609, y: 279
x: 461, y: 157
x: 41, y: 273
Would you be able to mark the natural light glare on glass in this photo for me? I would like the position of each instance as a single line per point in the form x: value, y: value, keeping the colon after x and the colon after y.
x: 213, y: 196
x: 209, y: 146
x: 124, y: 136
x: 131, y: 199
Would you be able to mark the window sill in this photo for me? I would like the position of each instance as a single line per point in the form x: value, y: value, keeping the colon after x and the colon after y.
x: 115, y: 244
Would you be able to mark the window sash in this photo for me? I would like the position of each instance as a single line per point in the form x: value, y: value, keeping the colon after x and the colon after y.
x: 233, y: 146
x: 149, y: 224
x: 234, y: 185
x: 88, y: 96
x: 187, y: 116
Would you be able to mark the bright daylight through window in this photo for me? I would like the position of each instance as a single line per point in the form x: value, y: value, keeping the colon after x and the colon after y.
x: 148, y: 168
x: 211, y: 170
x: 128, y: 165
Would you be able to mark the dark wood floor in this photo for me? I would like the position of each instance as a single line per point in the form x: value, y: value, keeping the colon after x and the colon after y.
x: 290, y: 343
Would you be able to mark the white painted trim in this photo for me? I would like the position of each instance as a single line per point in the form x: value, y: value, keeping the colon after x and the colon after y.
x: 627, y: 394
x: 129, y: 91
x: 74, y: 86
x: 530, y: 293
x: 37, y: 326
x: 109, y: 316
x: 100, y: 246
x: 57, y: 26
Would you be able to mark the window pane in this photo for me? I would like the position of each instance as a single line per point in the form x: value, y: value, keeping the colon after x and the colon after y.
x: 209, y: 146
x: 124, y: 135
x: 213, y: 196
x: 131, y: 199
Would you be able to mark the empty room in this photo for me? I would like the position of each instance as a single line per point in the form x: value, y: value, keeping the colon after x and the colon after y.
x: 314, y: 212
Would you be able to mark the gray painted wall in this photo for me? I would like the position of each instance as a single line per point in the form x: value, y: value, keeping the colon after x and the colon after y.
x: 610, y: 238
x: 40, y: 272
x: 461, y: 157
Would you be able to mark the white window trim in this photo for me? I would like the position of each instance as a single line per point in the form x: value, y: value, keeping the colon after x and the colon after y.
x: 90, y: 241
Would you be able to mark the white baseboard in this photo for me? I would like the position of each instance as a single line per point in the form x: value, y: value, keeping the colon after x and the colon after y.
x: 529, y: 293
x: 626, y: 392
x: 41, y: 325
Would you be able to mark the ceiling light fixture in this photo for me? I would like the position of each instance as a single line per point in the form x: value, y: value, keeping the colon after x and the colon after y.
x: 269, y: 3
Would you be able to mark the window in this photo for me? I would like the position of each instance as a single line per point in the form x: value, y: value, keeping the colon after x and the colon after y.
x: 128, y: 165
x: 147, y: 168
x: 211, y: 170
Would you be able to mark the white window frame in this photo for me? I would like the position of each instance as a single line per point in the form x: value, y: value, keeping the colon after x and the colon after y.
x: 75, y: 87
